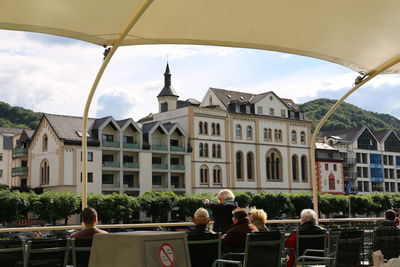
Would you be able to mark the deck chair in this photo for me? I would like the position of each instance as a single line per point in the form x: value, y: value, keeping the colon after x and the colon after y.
x: 12, y: 253
x: 80, y: 250
x: 311, y: 243
x: 47, y: 252
x: 347, y: 253
x: 204, y: 252
x: 263, y: 249
x: 387, y: 240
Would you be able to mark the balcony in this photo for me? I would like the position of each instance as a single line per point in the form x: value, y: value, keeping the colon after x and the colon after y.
x: 131, y: 145
x: 19, y: 152
x: 178, y: 167
x: 350, y: 175
x: 19, y: 171
x: 160, y: 166
x: 350, y: 161
x: 177, y: 148
x: 110, y: 144
x: 131, y: 165
x: 111, y: 164
x: 159, y: 147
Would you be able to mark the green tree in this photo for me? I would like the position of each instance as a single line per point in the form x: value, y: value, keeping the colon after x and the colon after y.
x: 275, y: 205
x: 157, y: 204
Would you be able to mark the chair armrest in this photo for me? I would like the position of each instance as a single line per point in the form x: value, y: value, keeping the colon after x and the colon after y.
x: 311, y: 258
x: 313, y: 250
x: 238, y: 263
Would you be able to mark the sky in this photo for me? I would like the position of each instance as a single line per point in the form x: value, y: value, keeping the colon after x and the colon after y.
x: 54, y: 75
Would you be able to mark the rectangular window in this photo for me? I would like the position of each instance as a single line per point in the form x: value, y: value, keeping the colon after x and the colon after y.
x: 326, y: 167
x: 24, y: 163
x: 359, y: 172
x: 1, y: 173
x: 271, y: 112
x: 334, y: 167
x: 89, y: 177
x: 260, y: 110
x: 365, y: 172
x: 156, y: 180
x: 175, y: 181
x: 1, y: 156
x: 392, y: 187
x: 385, y: 160
x: 89, y: 156
x: 174, y: 142
x: 391, y: 173
x: 364, y: 158
x: 108, y: 138
x: 398, y: 175
x: 387, y: 187
x: 386, y: 172
x: 108, y: 179
x: 360, y: 186
x: 127, y: 139
x: 174, y: 161
x: 358, y: 157
x: 108, y: 158
x: 390, y: 160
x: 283, y: 113
x: 156, y: 160
x: 398, y: 187
x: 128, y: 180
x: 128, y: 159
x: 366, y: 186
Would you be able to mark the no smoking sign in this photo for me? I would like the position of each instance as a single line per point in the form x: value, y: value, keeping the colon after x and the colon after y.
x: 166, y: 255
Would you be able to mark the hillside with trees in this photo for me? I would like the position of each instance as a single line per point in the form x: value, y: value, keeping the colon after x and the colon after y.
x: 18, y: 117
x: 347, y: 116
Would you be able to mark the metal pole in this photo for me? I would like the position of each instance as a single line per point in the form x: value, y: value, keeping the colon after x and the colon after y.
x: 135, y: 17
x: 358, y: 84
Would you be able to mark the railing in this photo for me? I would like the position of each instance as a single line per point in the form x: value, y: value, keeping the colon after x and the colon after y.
x: 112, y: 164
x: 177, y: 167
x: 350, y: 175
x: 132, y: 165
x: 160, y: 166
x: 110, y: 144
x: 19, y: 170
x: 19, y: 152
x: 159, y: 147
x: 131, y: 145
x: 177, y: 148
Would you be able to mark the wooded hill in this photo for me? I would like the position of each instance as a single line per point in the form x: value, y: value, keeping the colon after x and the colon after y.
x: 18, y: 117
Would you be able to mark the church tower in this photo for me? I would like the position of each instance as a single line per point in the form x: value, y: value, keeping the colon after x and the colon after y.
x: 167, y: 98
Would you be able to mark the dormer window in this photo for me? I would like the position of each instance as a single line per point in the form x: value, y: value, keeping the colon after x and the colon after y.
x: 271, y: 112
x: 229, y: 96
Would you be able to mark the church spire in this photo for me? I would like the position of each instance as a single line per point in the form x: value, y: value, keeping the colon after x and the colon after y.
x: 167, y: 90
x: 167, y: 76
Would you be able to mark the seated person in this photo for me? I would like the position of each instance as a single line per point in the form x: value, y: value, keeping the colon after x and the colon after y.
x: 308, y: 222
x: 390, y: 220
x: 235, y: 238
x: 201, y: 232
x: 89, y: 219
x: 259, y: 219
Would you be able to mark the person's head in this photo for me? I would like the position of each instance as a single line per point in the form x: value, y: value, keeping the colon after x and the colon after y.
x: 260, y: 215
x: 201, y: 216
x: 239, y: 214
x: 89, y: 216
x: 308, y: 215
x: 390, y: 215
x: 225, y: 194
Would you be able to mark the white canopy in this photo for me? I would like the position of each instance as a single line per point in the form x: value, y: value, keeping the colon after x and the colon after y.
x: 358, y: 34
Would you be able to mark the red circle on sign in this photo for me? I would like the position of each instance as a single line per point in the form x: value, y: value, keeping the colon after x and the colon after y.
x: 166, y: 255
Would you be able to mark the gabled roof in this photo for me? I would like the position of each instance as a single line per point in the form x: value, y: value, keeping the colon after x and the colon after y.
x: 168, y: 125
x: 13, y: 131
x: 382, y: 135
x: 349, y: 134
x: 98, y: 122
x: 290, y: 104
x: 147, y: 127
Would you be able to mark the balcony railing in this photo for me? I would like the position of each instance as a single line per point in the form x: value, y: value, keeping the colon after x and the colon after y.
x: 110, y: 144
x: 350, y: 175
x: 177, y: 148
x: 18, y: 152
x: 132, y: 165
x: 112, y: 164
x: 19, y: 171
x: 131, y: 145
x: 177, y: 167
x: 159, y: 147
x: 160, y: 166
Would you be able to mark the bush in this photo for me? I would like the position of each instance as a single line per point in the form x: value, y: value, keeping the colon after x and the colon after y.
x: 158, y: 204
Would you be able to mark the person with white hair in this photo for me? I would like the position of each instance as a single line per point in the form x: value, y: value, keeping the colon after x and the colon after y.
x: 308, y: 222
x: 201, y: 231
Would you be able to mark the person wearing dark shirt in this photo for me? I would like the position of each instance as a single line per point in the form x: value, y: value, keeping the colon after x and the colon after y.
x: 201, y: 231
x: 235, y: 238
x: 222, y: 211
x: 89, y: 220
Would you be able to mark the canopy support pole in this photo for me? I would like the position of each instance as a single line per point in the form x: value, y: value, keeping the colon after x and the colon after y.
x: 361, y: 80
x: 135, y: 17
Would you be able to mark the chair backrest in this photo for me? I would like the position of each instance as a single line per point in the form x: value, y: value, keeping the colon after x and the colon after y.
x: 387, y: 240
x: 80, y: 250
x: 312, y: 239
x: 348, y: 248
x: 12, y: 253
x: 53, y: 252
x: 204, y: 252
x: 264, y: 249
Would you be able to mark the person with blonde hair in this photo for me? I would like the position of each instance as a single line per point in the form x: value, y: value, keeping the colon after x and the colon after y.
x: 222, y: 211
x: 258, y: 217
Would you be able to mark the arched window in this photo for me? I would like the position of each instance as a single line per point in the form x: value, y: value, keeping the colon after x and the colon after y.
x: 205, y: 128
x: 250, y: 166
x: 303, y: 164
x: 303, y: 137
x: 295, y: 168
x: 201, y: 151
x: 265, y: 134
x: 214, y: 151
x: 218, y: 151
x: 273, y: 164
x: 45, y: 143
x: 280, y: 135
x: 206, y: 150
x: 269, y: 135
x: 331, y: 179
x: 276, y: 136
x: 218, y: 129
x: 239, y: 165
x: 217, y: 175
x: 203, y: 174
x: 249, y: 132
x: 44, y: 173
x: 294, y: 137
x: 213, y: 128
x: 200, y: 127
x: 238, y: 131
